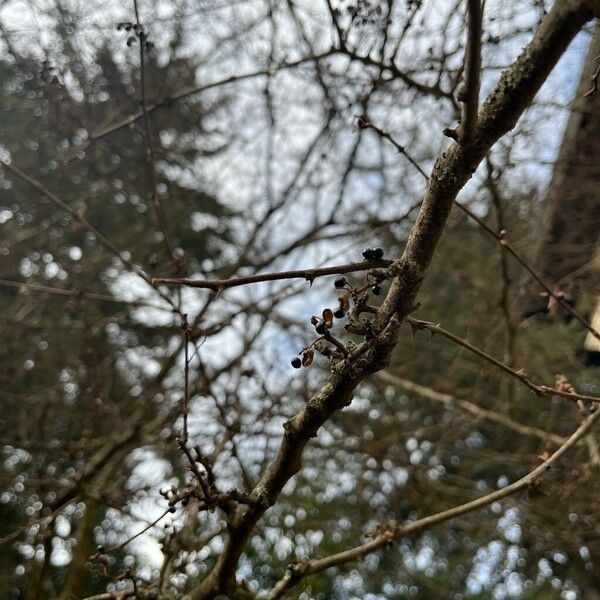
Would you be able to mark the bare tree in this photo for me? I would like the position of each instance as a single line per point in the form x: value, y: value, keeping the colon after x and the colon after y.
x: 168, y: 414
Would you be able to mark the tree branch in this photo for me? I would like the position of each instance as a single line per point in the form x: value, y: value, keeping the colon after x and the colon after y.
x: 395, y: 532
x: 308, y: 274
x: 105, y: 242
x: 183, y: 94
x: 540, y: 390
x: 469, y: 407
x: 517, y: 87
x: 150, y: 156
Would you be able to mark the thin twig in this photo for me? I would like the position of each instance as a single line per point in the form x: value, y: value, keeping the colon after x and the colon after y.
x: 194, y: 469
x: 150, y: 158
x: 540, y: 390
x: 501, y: 238
x: 308, y: 274
x: 393, y: 532
x: 429, y: 90
x: 108, y: 245
x: 186, y: 376
x: 79, y: 294
x: 504, y: 269
x: 365, y: 123
x: 122, y: 545
x: 470, y: 407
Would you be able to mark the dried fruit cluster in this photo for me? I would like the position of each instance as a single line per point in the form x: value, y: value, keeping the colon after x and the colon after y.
x: 352, y: 302
x: 138, y: 34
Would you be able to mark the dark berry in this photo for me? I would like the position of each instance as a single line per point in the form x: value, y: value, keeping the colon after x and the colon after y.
x: 378, y: 253
x: 340, y: 282
x: 368, y: 253
x: 296, y: 362
x: 321, y: 328
x: 339, y: 314
x: 172, y: 509
x: 376, y: 290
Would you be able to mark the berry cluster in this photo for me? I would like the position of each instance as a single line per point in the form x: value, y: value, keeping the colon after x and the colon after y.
x: 372, y: 253
x: 139, y: 33
x: 348, y: 297
x: 322, y: 326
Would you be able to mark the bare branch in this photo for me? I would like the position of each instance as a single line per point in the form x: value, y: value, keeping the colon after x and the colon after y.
x: 79, y: 294
x: 394, y: 532
x: 365, y: 123
x: 540, y: 390
x: 502, y: 238
x: 474, y: 409
x: 183, y: 94
x: 150, y: 157
x: 107, y: 244
x: 308, y: 274
x: 516, y: 89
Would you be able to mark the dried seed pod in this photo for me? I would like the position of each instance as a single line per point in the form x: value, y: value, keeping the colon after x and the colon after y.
x: 314, y: 320
x: 328, y: 318
x: 307, y: 357
x: 344, y: 299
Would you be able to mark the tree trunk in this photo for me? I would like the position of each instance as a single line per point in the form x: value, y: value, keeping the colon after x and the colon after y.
x: 569, y: 231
